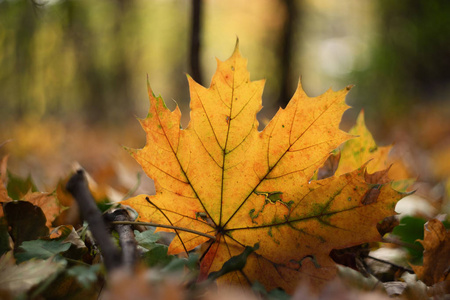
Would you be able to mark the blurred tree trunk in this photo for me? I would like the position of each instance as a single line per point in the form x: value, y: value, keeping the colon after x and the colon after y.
x: 23, y: 57
x: 106, y: 94
x: 286, y: 50
x: 90, y: 85
x: 196, y: 32
x: 410, y: 60
x: 120, y: 88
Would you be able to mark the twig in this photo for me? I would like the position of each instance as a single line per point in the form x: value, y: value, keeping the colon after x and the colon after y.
x: 126, y: 237
x: 392, y: 264
x: 165, y: 226
x: 78, y: 187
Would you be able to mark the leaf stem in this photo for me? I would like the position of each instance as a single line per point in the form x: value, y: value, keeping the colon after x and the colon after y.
x: 163, y: 226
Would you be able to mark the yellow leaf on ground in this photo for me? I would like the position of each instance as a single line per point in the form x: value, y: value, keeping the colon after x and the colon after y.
x: 362, y: 149
x: 222, y: 177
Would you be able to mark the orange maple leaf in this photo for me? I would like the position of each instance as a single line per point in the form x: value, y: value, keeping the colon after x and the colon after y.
x: 223, y: 177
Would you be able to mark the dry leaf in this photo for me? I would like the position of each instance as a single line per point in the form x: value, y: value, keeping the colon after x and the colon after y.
x: 222, y: 177
x: 436, y: 256
x: 48, y: 203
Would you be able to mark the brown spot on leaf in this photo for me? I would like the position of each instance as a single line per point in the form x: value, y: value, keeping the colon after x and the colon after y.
x: 371, y: 195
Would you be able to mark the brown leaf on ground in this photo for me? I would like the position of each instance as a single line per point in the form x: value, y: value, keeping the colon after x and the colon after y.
x: 436, y: 256
x: 48, y: 203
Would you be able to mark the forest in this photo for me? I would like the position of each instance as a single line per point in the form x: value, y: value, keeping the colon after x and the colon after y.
x: 263, y: 149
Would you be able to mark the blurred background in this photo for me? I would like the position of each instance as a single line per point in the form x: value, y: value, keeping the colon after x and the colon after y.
x: 73, y: 72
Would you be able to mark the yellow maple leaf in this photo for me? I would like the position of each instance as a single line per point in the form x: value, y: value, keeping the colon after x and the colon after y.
x: 362, y: 149
x: 222, y: 177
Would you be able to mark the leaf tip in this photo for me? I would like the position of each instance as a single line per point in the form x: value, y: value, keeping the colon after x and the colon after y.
x: 349, y: 87
x: 236, y: 47
x: 149, y: 88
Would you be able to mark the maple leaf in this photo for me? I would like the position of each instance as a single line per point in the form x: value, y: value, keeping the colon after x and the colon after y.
x: 48, y: 203
x: 223, y: 177
x: 436, y: 256
x: 362, y: 149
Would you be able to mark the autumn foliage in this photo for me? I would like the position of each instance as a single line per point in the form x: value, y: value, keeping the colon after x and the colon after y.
x: 261, y: 214
x: 223, y: 177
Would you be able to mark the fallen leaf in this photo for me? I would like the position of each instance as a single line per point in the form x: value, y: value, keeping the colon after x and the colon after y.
x: 409, y: 231
x: 381, y: 168
x: 362, y: 149
x: 26, y: 221
x: 222, y: 177
x: 48, y: 203
x: 18, y: 279
x: 18, y: 187
x: 40, y: 249
x: 68, y: 234
x: 436, y: 256
x: 86, y: 275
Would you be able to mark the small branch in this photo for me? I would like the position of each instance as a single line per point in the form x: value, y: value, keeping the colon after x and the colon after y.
x: 126, y: 237
x: 78, y: 187
x: 392, y: 264
x: 164, y: 226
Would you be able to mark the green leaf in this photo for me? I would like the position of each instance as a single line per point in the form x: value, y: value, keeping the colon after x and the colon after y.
x: 18, y: 279
x: 26, y: 220
x: 77, y: 246
x: 157, y: 256
x: 409, y: 231
x: 275, y: 294
x: 177, y: 264
x: 85, y: 275
x: 19, y: 187
x: 147, y: 239
x: 41, y: 249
